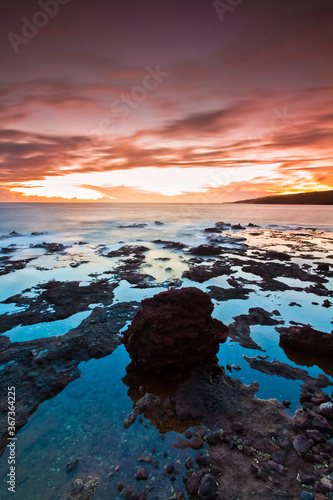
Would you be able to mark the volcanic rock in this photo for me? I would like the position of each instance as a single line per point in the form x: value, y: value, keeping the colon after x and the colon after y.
x: 307, y: 339
x: 174, y: 328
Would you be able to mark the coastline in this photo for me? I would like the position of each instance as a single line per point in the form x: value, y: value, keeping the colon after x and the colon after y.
x: 260, y: 279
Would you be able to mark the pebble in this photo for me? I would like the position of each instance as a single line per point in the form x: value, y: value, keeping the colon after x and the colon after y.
x: 315, y: 435
x: 141, y: 474
x: 196, y: 443
x: 277, y: 467
x: 326, y: 409
x: 208, y: 488
x: 301, y: 445
x: 147, y: 459
x: 120, y: 486
x: 72, y: 465
x: 199, y: 432
x: 170, y: 468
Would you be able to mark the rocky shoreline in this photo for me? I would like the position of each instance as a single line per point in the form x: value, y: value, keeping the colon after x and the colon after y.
x: 218, y: 418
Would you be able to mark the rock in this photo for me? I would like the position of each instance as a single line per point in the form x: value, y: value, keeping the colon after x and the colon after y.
x: 307, y: 339
x: 225, y: 294
x: 323, y: 266
x: 205, y: 250
x: 326, y: 303
x: 301, y: 444
x: 170, y: 468
x: 199, y: 432
x: 158, y: 223
x: 208, y: 488
x: 193, y: 484
x: 315, y: 435
x: 196, y: 443
x: 141, y: 474
x: 131, y: 226
x: 203, y: 273
x: 131, y: 494
x: 173, y: 245
x: 81, y: 490
x: 286, y: 403
x: 326, y: 410
x: 212, y: 230
x: 277, y: 467
x: 239, y: 330
x: 174, y: 329
x: 320, y: 423
x: 147, y: 459
x: 120, y: 485
x: 202, y: 459
x: 72, y: 465
x: 128, y: 250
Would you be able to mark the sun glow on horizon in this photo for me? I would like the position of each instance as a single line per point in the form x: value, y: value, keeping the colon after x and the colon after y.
x: 171, y: 181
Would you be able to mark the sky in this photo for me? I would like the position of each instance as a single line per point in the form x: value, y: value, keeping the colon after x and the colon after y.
x: 161, y: 102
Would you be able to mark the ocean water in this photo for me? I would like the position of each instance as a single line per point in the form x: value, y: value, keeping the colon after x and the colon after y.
x: 85, y: 420
x: 97, y: 221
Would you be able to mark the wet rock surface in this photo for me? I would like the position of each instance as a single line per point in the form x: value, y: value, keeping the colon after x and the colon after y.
x: 239, y: 330
x: 306, y: 338
x: 174, y: 328
x: 224, y: 294
x: 236, y: 431
x: 56, y: 300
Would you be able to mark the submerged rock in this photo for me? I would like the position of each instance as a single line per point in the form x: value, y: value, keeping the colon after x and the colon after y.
x: 174, y: 328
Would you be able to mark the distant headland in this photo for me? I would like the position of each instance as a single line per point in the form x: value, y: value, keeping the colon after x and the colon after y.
x: 312, y: 198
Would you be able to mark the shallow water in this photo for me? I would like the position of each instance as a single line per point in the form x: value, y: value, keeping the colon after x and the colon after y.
x: 86, y: 419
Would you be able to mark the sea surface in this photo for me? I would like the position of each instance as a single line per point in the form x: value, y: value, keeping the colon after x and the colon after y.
x: 99, y: 222
x: 85, y: 420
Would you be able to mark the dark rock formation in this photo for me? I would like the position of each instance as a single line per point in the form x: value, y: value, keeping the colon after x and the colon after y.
x: 81, y: 490
x: 132, y: 226
x: 65, y: 299
x: 127, y: 250
x: 174, y: 328
x: 205, y: 272
x: 50, y: 247
x: 205, y: 250
x: 307, y: 339
x: 173, y: 245
x: 239, y: 330
x: 225, y: 294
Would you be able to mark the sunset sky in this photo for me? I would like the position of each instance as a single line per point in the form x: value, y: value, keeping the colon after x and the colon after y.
x: 173, y: 101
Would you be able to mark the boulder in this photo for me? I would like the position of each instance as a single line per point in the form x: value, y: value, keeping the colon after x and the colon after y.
x: 174, y: 329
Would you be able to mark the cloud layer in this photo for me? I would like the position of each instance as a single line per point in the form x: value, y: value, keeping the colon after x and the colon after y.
x: 167, y: 103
